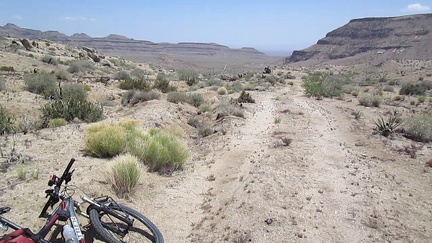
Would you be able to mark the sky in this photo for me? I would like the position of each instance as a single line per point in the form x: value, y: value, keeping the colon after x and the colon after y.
x: 270, y: 25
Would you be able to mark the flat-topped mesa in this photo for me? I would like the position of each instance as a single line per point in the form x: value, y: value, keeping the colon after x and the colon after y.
x: 115, y: 44
x: 409, y: 35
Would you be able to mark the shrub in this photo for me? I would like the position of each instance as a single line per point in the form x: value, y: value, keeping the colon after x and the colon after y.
x: 2, y: 84
x: 245, y: 97
x: 177, y: 97
x: 50, y: 60
x: 163, y: 84
x: 370, y: 101
x: 205, y: 130
x: 125, y: 174
x: 213, y: 82
x: 398, y: 97
x: 74, y: 91
x: 427, y: 84
x: 62, y: 74
x: 44, y: 84
x: 236, y: 86
x: 105, y: 140
x: 163, y: 152
x: 69, y: 109
x: 421, y: 99
x: 222, y: 91
x: 80, y: 66
x: 133, y: 97
x: 229, y: 108
x: 87, y: 87
x: 57, y: 122
x: 387, y: 127
x: 355, y: 93
x: 190, y: 76
x: 205, y: 108
x: 419, y: 127
x: 412, y: 89
x: 195, y: 99
x: 322, y: 85
x: 348, y: 89
x: 122, y: 75
x: 389, y: 88
x: 7, y: 69
x: 270, y: 79
x: 412, y: 102
x: 6, y: 122
x: 138, y: 74
x: 139, y: 84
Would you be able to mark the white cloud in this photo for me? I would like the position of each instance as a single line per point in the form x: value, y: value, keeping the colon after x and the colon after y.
x: 78, y: 18
x: 416, y: 7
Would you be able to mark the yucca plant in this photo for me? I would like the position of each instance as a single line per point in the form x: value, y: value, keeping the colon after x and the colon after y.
x: 387, y: 127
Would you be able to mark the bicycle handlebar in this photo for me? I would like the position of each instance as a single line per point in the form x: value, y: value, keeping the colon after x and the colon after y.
x: 54, y: 193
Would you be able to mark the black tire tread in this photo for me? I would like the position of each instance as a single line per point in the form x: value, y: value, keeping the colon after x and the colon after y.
x: 105, y: 234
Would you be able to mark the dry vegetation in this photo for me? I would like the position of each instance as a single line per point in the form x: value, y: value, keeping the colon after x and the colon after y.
x: 200, y: 153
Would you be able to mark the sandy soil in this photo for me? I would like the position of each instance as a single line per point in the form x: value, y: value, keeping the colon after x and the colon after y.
x: 335, y: 182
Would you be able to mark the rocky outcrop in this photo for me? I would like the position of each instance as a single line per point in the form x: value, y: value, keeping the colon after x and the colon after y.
x: 369, y: 38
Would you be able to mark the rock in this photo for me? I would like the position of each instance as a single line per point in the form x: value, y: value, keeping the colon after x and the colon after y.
x: 26, y: 44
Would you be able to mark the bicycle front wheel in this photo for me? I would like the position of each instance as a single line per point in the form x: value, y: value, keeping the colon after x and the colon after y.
x: 108, y: 226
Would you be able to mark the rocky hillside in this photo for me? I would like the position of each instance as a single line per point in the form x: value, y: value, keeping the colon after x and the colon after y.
x: 372, y: 39
x: 117, y: 44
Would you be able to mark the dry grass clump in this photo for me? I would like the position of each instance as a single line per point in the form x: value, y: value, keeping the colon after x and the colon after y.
x: 133, y: 97
x: 222, y: 90
x: 125, y: 174
x: 105, y: 140
x: 57, y: 122
x: 230, y: 108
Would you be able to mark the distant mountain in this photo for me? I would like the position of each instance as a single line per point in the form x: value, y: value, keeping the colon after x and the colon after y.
x: 372, y: 40
x: 114, y: 44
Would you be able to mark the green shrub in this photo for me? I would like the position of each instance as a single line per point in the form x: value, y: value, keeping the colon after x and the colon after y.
x: 7, y: 69
x: 44, y: 84
x: 133, y: 97
x: 195, y: 99
x: 419, y: 127
x: 190, y: 76
x: 69, y: 109
x: 122, y: 75
x: 412, y: 89
x: 163, y: 84
x: 162, y: 151
x: 57, y: 122
x: 139, y: 84
x: 125, y: 174
x: 177, y: 97
x: 50, y: 60
x: 62, y: 74
x: 74, y: 91
x: 205, y: 108
x: 229, y: 108
x: 271, y: 79
x: 421, y: 99
x: 389, y: 88
x: 322, y: 85
x: 222, y: 91
x: 138, y: 74
x: 213, y: 82
x: 80, y: 66
x: 87, y: 87
x: 6, y: 122
x: 2, y: 84
x: 370, y: 101
x: 245, y: 97
x: 355, y: 93
x: 387, y: 127
x: 105, y: 140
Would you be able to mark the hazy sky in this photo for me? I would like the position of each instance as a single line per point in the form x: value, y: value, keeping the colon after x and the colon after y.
x: 264, y: 24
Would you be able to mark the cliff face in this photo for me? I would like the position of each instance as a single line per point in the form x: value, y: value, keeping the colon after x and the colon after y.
x: 407, y: 37
x: 118, y: 45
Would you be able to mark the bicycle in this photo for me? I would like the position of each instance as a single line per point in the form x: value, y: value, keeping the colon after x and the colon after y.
x: 113, y: 222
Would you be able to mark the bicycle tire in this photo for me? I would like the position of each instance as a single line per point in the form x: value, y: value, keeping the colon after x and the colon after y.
x: 138, y: 234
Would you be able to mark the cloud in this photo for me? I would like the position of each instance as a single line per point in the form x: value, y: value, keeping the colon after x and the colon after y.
x: 78, y: 18
x: 416, y: 7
